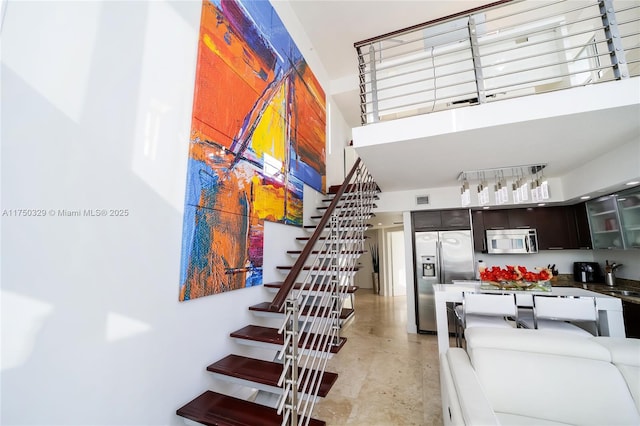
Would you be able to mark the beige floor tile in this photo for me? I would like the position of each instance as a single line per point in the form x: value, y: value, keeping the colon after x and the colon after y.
x: 386, y: 377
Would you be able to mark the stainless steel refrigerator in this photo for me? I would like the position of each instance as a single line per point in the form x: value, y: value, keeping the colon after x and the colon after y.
x: 440, y: 257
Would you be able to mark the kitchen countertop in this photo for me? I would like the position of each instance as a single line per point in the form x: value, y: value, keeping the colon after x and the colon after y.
x: 621, y: 285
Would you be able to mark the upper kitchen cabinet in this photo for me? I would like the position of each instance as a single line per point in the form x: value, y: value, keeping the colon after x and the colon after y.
x: 562, y: 227
x: 604, y: 223
x: 479, y: 239
x: 509, y: 218
x: 495, y: 219
x: 428, y: 220
x: 432, y: 220
x: 578, y: 214
x: 455, y: 219
x: 629, y: 211
x: 523, y: 218
x: 555, y: 231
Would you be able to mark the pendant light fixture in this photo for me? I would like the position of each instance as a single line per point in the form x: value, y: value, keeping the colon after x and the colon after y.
x: 516, y: 184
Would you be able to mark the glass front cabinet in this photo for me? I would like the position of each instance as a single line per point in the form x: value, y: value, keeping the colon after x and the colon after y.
x: 605, y: 223
x: 629, y: 210
x: 614, y: 220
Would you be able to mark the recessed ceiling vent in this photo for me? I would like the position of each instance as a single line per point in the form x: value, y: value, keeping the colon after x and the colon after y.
x: 422, y: 199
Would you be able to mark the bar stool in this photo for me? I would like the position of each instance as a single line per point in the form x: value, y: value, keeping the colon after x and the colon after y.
x: 555, y: 312
x: 485, y: 310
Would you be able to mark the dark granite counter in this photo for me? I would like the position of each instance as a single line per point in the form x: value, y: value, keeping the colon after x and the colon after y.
x: 622, y: 286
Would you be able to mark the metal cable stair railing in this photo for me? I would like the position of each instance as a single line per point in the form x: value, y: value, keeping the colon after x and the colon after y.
x: 313, y: 309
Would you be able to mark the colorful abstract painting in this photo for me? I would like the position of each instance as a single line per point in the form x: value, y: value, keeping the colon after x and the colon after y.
x: 257, y: 136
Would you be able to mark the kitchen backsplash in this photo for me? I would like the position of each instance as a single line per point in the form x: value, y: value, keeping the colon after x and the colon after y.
x: 630, y: 260
x: 563, y: 259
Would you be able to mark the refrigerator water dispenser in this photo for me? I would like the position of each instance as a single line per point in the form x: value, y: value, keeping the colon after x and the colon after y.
x: 428, y: 266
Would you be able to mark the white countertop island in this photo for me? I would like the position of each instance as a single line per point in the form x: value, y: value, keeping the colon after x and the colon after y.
x: 609, y: 307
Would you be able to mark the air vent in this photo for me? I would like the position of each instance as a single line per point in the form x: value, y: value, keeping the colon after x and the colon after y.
x: 422, y: 199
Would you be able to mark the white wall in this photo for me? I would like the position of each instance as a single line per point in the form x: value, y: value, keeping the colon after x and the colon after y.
x: 96, y: 114
x: 397, y: 273
x: 408, y: 266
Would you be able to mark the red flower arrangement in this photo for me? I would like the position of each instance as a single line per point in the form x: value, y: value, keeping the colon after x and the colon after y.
x: 514, y: 276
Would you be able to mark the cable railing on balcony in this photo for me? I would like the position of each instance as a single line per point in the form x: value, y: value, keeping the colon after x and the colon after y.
x: 505, y: 50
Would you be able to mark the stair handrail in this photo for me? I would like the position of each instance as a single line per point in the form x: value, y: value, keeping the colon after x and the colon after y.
x: 313, y: 318
x: 280, y: 298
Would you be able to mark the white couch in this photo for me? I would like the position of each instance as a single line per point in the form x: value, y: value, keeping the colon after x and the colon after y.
x: 535, y: 377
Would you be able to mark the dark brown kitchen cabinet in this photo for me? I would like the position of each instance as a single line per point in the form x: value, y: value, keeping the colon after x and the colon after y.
x: 455, y: 219
x: 631, y: 315
x: 558, y: 227
x: 522, y: 218
x: 428, y: 220
x: 555, y: 231
x: 479, y: 238
x: 578, y: 213
x: 495, y: 219
x: 431, y: 220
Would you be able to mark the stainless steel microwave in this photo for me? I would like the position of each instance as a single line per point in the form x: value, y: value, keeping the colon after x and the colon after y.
x: 519, y: 241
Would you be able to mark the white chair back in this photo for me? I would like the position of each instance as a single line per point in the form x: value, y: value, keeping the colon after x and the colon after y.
x: 489, y: 304
x: 565, y: 308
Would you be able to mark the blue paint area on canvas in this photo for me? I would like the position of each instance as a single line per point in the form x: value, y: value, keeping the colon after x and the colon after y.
x: 305, y: 173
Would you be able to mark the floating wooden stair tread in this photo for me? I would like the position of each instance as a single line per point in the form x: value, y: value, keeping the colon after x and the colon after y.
x: 270, y: 335
x: 365, y: 225
x: 319, y: 268
x: 215, y: 409
x: 328, y: 200
x: 313, y: 287
x: 368, y: 215
x: 266, y: 307
x: 327, y: 252
x: 333, y: 189
x: 355, y: 207
x: 266, y: 372
x: 341, y: 239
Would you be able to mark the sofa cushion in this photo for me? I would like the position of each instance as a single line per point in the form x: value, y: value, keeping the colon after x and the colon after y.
x: 625, y: 354
x: 622, y: 350
x: 536, y: 341
x: 530, y: 374
x: 554, y: 388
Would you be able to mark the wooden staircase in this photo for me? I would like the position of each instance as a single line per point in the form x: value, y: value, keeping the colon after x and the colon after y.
x: 299, y: 355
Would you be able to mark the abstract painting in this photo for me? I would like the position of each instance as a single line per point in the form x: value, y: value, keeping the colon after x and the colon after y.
x: 257, y: 136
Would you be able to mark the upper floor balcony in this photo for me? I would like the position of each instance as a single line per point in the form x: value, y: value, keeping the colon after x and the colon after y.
x: 510, y: 49
x: 554, y: 83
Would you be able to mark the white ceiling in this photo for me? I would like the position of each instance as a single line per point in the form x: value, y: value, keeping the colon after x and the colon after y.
x: 333, y: 26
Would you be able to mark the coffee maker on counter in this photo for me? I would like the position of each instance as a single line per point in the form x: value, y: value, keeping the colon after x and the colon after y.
x: 587, y: 272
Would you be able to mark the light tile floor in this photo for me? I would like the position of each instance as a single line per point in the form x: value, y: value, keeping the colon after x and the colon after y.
x: 386, y: 377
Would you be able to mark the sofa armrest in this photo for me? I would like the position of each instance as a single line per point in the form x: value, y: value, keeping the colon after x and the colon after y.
x: 464, y: 393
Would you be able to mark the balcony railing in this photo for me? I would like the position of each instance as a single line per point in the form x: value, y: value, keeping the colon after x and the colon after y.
x: 506, y: 50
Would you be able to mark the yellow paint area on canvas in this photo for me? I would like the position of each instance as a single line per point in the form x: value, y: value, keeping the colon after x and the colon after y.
x: 268, y: 201
x: 210, y: 44
x: 270, y: 134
